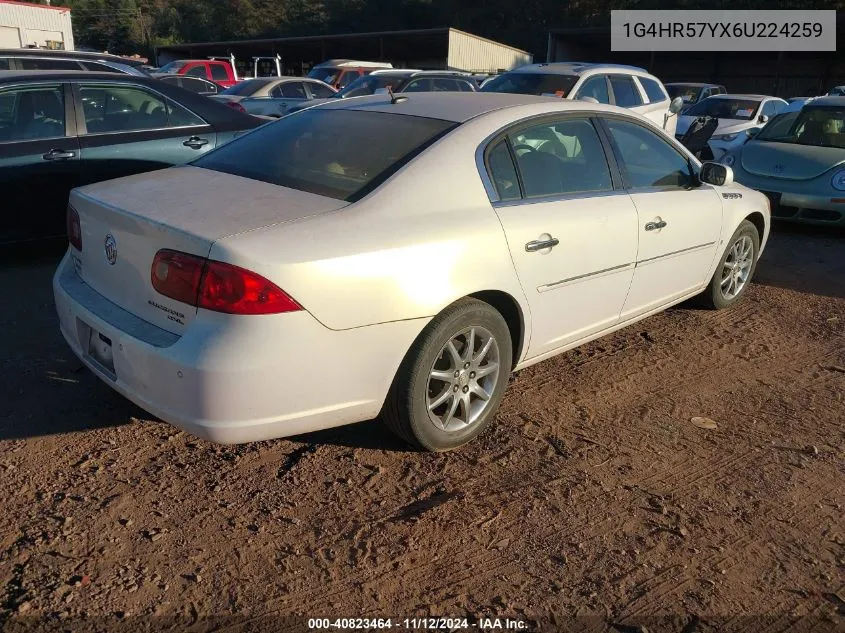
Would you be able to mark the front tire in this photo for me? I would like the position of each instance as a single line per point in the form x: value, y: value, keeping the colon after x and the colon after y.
x: 450, y: 384
x: 735, y: 270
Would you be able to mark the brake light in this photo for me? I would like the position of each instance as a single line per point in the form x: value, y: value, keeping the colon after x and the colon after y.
x: 217, y: 286
x: 74, y: 229
x: 236, y: 106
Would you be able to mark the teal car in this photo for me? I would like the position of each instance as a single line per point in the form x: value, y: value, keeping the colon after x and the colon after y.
x: 60, y: 130
x: 798, y: 161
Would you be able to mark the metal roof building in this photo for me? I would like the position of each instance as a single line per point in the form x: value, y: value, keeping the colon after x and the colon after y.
x: 24, y: 25
x: 434, y: 49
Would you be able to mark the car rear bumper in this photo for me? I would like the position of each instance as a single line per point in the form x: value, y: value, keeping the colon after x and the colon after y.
x: 233, y: 379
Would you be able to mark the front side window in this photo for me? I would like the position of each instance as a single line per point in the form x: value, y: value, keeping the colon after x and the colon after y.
x: 219, y: 73
x: 595, y: 87
x: 531, y: 84
x: 502, y: 172
x: 129, y: 109
x: 340, y: 154
x: 32, y: 113
x: 319, y: 91
x: 562, y: 157
x: 625, y: 92
x: 647, y: 159
x: 653, y: 90
x: 196, y: 71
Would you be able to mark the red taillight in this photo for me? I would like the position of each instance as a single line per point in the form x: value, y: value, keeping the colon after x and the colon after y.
x: 236, y: 106
x: 74, y: 229
x: 217, y: 286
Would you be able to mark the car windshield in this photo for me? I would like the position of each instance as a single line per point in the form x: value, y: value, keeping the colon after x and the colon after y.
x: 245, y: 88
x: 688, y: 94
x: 813, y: 125
x: 325, y: 74
x: 740, y: 109
x: 531, y: 84
x: 172, y: 67
x: 368, y: 85
x: 340, y: 154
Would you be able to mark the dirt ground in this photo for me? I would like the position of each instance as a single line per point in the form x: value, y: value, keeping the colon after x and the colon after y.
x: 594, y: 504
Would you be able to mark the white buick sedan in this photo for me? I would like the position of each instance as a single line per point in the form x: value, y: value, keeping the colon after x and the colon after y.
x: 395, y: 257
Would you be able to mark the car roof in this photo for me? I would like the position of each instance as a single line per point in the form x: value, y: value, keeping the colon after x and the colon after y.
x: 43, y: 52
x: 697, y: 84
x: 577, y: 68
x: 744, y: 96
x: 458, y: 107
x: 829, y: 101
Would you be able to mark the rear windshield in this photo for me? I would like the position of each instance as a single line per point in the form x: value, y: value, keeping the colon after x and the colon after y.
x: 531, y: 84
x: 368, y: 85
x: 326, y: 74
x: 340, y: 154
x: 721, y: 108
x: 245, y: 88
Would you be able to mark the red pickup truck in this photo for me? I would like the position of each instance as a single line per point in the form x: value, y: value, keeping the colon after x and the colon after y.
x: 218, y: 71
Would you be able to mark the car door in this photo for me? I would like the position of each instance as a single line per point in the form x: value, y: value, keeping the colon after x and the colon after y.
x: 571, y: 229
x: 126, y: 129
x: 679, y: 220
x: 286, y: 95
x: 39, y: 159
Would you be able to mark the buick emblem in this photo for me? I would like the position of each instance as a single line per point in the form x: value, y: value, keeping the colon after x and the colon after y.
x: 778, y: 168
x: 111, y: 249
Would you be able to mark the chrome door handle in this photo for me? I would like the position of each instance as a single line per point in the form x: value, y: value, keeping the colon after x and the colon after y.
x: 651, y: 226
x: 541, y: 245
x: 58, y: 154
x: 195, y: 142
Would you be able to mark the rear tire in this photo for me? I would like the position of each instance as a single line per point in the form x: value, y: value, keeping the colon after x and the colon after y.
x: 735, y: 269
x: 450, y: 384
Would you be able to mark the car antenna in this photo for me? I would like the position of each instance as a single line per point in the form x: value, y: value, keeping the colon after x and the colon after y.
x: 393, y: 98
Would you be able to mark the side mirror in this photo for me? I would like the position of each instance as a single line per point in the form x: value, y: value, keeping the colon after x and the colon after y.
x: 676, y: 105
x: 716, y: 174
x: 763, y: 118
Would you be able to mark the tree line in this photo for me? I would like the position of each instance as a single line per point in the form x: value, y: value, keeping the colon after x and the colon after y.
x: 137, y: 26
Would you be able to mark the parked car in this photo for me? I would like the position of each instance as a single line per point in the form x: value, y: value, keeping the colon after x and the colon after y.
x: 836, y: 91
x: 798, y: 161
x: 625, y: 86
x: 405, y: 273
x: 398, y: 81
x: 40, y: 59
x: 339, y: 73
x: 59, y: 130
x: 272, y: 97
x: 736, y: 113
x: 692, y: 93
x: 197, y: 85
x: 220, y: 71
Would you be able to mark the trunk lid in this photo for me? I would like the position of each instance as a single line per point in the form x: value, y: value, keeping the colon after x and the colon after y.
x: 125, y: 222
x: 789, y: 161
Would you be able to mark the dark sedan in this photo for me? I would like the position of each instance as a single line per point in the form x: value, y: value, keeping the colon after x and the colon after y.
x: 60, y: 130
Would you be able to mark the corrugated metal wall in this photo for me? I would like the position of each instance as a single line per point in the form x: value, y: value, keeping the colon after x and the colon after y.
x: 36, y: 24
x: 476, y: 54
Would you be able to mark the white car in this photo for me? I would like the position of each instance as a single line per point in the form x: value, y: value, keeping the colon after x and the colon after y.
x: 625, y: 86
x: 736, y: 113
x: 318, y: 271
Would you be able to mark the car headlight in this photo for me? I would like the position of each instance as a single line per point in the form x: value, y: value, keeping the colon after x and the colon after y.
x: 728, y: 160
x: 724, y: 137
x: 837, y: 181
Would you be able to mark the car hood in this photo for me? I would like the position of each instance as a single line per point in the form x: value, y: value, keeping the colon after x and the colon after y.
x: 725, y: 126
x: 789, y: 161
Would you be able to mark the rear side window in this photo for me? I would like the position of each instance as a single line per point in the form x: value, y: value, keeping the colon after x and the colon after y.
x: 110, y: 108
x: 652, y: 89
x: 29, y: 63
x: 647, y: 159
x: 218, y: 72
x: 31, y: 113
x: 625, y: 92
x: 502, y: 171
x: 340, y: 154
x: 292, y: 90
x: 5, y: 64
x: 319, y: 91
